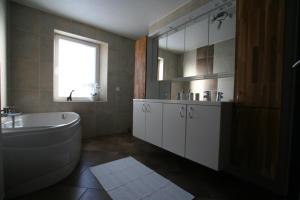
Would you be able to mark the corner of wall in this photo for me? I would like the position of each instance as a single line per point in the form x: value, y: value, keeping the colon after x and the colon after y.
x: 3, y: 58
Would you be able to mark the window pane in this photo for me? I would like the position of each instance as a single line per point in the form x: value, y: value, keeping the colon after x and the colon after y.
x: 76, y: 68
x: 160, y: 69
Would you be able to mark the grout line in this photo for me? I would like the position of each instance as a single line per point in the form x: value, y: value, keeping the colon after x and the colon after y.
x: 39, y: 75
x: 83, y: 194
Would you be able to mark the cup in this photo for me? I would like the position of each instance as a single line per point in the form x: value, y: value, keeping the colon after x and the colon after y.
x: 213, y: 95
x: 191, y: 96
x: 197, y: 96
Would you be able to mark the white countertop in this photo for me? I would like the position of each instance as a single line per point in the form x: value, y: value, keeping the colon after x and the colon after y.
x: 207, y: 103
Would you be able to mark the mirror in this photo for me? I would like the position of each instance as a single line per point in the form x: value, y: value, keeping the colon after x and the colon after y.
x: 221, y: 37
x: 171, y: 48
x: 183, y: 52
x: 203, y: 46
x: 195, y: 58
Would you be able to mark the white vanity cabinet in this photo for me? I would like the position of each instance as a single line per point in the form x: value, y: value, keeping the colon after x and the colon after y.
x: 147, y: 122
x: 154, y: 123
x: 203, y: 135
x: 174, y: 117
x: 198, y: 131
x: 139, y: 120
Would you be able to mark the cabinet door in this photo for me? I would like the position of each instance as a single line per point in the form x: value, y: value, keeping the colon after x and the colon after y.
x: 259, y: 54
x: 139, y: 118
x: 225, y: 31
x: 174, y: 117
x: 203, y: 135
x: 254, y: 141
x: 154, y: 123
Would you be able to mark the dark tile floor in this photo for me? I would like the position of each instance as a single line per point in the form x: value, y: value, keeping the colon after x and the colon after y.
x: 204, y: 183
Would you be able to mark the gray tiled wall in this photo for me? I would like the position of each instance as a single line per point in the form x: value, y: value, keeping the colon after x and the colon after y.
x: 32, y: 71
x: 3, y: 65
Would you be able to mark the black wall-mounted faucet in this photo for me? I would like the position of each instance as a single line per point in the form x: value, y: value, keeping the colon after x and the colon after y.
x: 69, y: 98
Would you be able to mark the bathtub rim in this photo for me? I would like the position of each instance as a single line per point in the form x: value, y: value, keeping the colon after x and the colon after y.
x: 13, y: 132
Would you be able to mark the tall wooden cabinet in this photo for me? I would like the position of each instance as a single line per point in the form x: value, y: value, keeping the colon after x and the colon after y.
x: 139, y: 90
x: 259, y: 53
x: 258, y: 80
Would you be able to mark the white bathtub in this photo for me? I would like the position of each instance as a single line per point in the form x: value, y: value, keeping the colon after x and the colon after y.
x: 41, y: 150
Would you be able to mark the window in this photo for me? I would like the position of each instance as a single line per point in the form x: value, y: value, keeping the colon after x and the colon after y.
x: 160, y: 71
x: 76, y: 68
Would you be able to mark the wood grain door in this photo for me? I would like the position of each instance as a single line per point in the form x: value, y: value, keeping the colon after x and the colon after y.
x: 259, y: 52
x: 258, y: 80
x: 256, y: 141
x: 140, y: 68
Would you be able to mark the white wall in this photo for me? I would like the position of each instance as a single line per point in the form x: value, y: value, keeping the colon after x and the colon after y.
x: 3, y: 78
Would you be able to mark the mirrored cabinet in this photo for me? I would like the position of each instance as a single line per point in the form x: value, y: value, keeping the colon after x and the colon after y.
x: 199, y: 55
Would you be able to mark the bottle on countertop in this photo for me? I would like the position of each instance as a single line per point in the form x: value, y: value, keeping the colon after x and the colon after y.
x: 213, y: 95
x: 197, y: 97
x: 182, y: 95
x: 191, y: 96
x: 207, y: 95
x: 220, y: 96
x: 178, y: 97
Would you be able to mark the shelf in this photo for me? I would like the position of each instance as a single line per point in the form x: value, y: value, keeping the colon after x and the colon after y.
x: 203, y: 77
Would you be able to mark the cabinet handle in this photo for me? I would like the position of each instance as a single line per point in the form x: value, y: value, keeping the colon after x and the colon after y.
x: 143, y: 108
x: 296, y: 64
x: 191, y: 112
x: 181, y: 112
x: 239, y: 97
x: 148, y: 108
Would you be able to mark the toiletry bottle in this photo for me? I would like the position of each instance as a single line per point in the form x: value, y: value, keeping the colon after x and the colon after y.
x: 220, y: 96
x: 178, y: 96
x: 191, y: 96
x: 197, y: 96
x: 181, y: 95
x: 207, y: 95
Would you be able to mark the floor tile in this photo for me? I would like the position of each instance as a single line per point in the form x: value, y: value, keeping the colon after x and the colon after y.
x: 57, y: 193
x: 200, y: 181
x: 85, y: 180
x: 94, y: 194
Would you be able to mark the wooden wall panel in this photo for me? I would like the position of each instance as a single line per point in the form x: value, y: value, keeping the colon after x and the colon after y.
x: 140, y: 68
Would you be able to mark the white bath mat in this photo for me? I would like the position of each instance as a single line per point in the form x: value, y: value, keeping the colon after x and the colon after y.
x: 128, y: 179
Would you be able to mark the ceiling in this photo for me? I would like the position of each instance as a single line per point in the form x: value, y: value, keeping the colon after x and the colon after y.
x: 129, y: 18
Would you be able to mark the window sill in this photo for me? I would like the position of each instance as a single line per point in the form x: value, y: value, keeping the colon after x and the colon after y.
x: 79, y: 101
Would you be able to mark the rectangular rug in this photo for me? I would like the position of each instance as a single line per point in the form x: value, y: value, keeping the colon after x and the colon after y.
x: 128, y: 179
